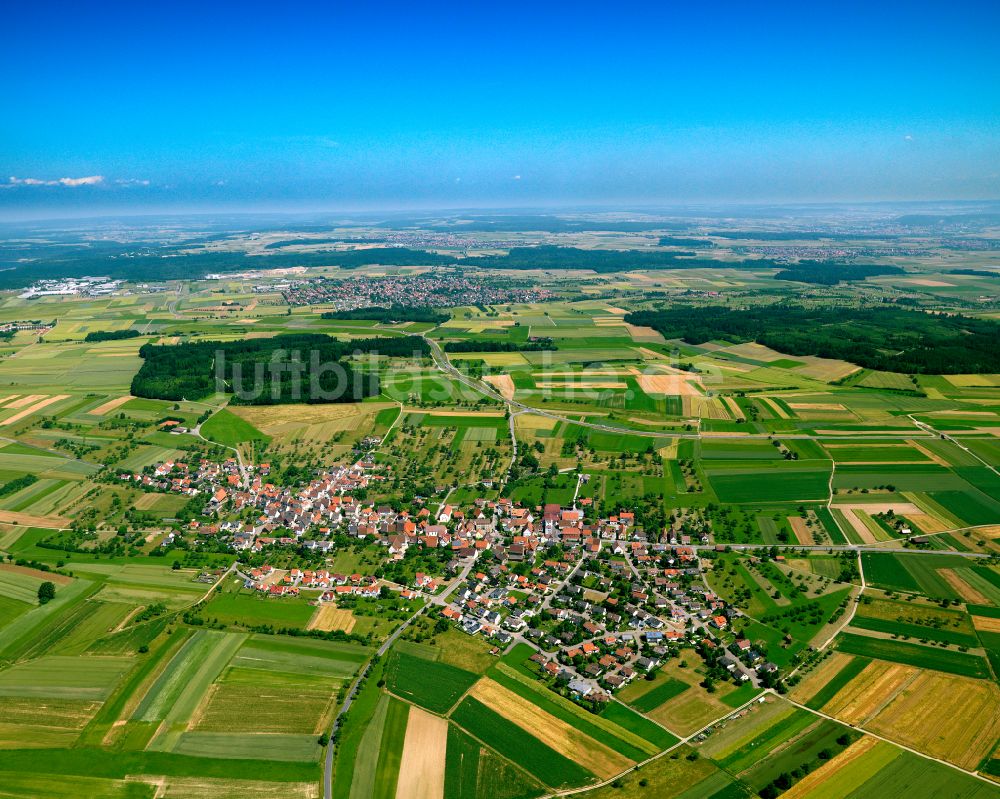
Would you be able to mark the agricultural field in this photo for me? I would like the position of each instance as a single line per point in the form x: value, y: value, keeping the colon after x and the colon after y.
x: 675, y: 561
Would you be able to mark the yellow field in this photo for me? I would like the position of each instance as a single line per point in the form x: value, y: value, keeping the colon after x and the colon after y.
x: 819, y: 677
x: 962, y: 588
x: 32, y: 520
x: 502, y: 383
x: 865, y: 695
x: 669, y: 384
x: 954, y: 718
x: 986, y: 625
x: 330, y: 617
x: 814, y: 781
x: 110, y: 405
x: 421, y: 768
x: 565, y: 739
x: 44, y: 403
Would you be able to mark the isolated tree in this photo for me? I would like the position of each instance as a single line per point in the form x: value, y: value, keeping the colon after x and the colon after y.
x: 46, y: 593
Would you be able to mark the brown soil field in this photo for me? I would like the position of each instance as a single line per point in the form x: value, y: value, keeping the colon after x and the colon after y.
x: 8, y: 398
x: 206, y: 788
x: 30, y: 520
x: 736, y: 410
x: 985, y: 624
x: 17, y: 417
x: 927, y: 523
x: 964, y: 590
x: 818, y: 677
x: 828, y: 770
x: 954, y: 718
x: 668, y: 384
x: 556, y: 733
x: 929, y: 453
x: 780, y: 412
x: 867, y: 693
x: 502, y: 383
x: 25, y: 400
x: 52, y: 577
x: 579, y: 385
x: 110, y: 405
x: 421, y: 769
x: 330, y: 617
x: 803, y: 534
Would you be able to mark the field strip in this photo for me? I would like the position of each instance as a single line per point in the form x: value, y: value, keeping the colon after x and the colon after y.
x: 421, y: 769
x: 870, y: 691
x: 962, y: 588
x: 17, y: 417
x: 562, y: 737
x: 817, y: 779
x: 774, y: 406
x: 986, y: 625
x: 110, y: 405
x: 31, y: 520
x: 948, y: 717
x: 27, y: 399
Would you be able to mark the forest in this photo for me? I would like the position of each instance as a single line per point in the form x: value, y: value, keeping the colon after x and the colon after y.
x: 888, y: 339
x: 394, y: 313
x: 485, y: 345
x: 830, y: 273
x: 294, y: 368
x: 111, y: 335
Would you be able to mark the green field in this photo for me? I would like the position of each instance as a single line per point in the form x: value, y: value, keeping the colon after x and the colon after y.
x: 924, y: 657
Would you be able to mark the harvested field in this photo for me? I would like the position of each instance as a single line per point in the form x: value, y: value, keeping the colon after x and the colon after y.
x: 17, y: 417
x: 986, y: 625
x: 25, y: 400
x: 816, y: 406
x: 953, y: 718
x: 52, y: 577
x: 819, y: 677
x: 963, y: 589
x: 31, y: 520
x: 502, y: 383
x: 929, y: 453
x: 560, y: 736
x: 421, y: 770
x: 736, y: 410
x: 780, y: 412
x: 110, y: 405
x: 668, y: 384
x: 828, y: 771
x: 206, y: 788
x: 803, y: 535
x: 868, y: 693
x: 330, y: 617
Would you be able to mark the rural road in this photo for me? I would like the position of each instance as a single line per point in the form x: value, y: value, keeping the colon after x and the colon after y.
x: 435, y: 601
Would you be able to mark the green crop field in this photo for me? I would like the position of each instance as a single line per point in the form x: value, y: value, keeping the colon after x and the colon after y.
x: 925, y: 657
x: 518, y: 746
x: 430, y: 684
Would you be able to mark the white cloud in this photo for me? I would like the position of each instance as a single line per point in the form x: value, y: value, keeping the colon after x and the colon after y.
x: 90, y: 180
x: 907, y: 137
x: 131, y: 182
x: 517, y: 177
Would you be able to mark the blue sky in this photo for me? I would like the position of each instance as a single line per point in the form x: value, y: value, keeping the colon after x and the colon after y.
x: 355, y: 106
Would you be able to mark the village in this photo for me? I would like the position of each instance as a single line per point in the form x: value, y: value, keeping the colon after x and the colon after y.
x: 601, y: 601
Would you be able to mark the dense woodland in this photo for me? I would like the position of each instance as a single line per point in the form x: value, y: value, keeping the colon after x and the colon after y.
x: 111, y: 335
x: 395, y: 313
x: 301, y: 367
x: 482, y: 345
x: 830, y: 273
x: 888, y: 339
